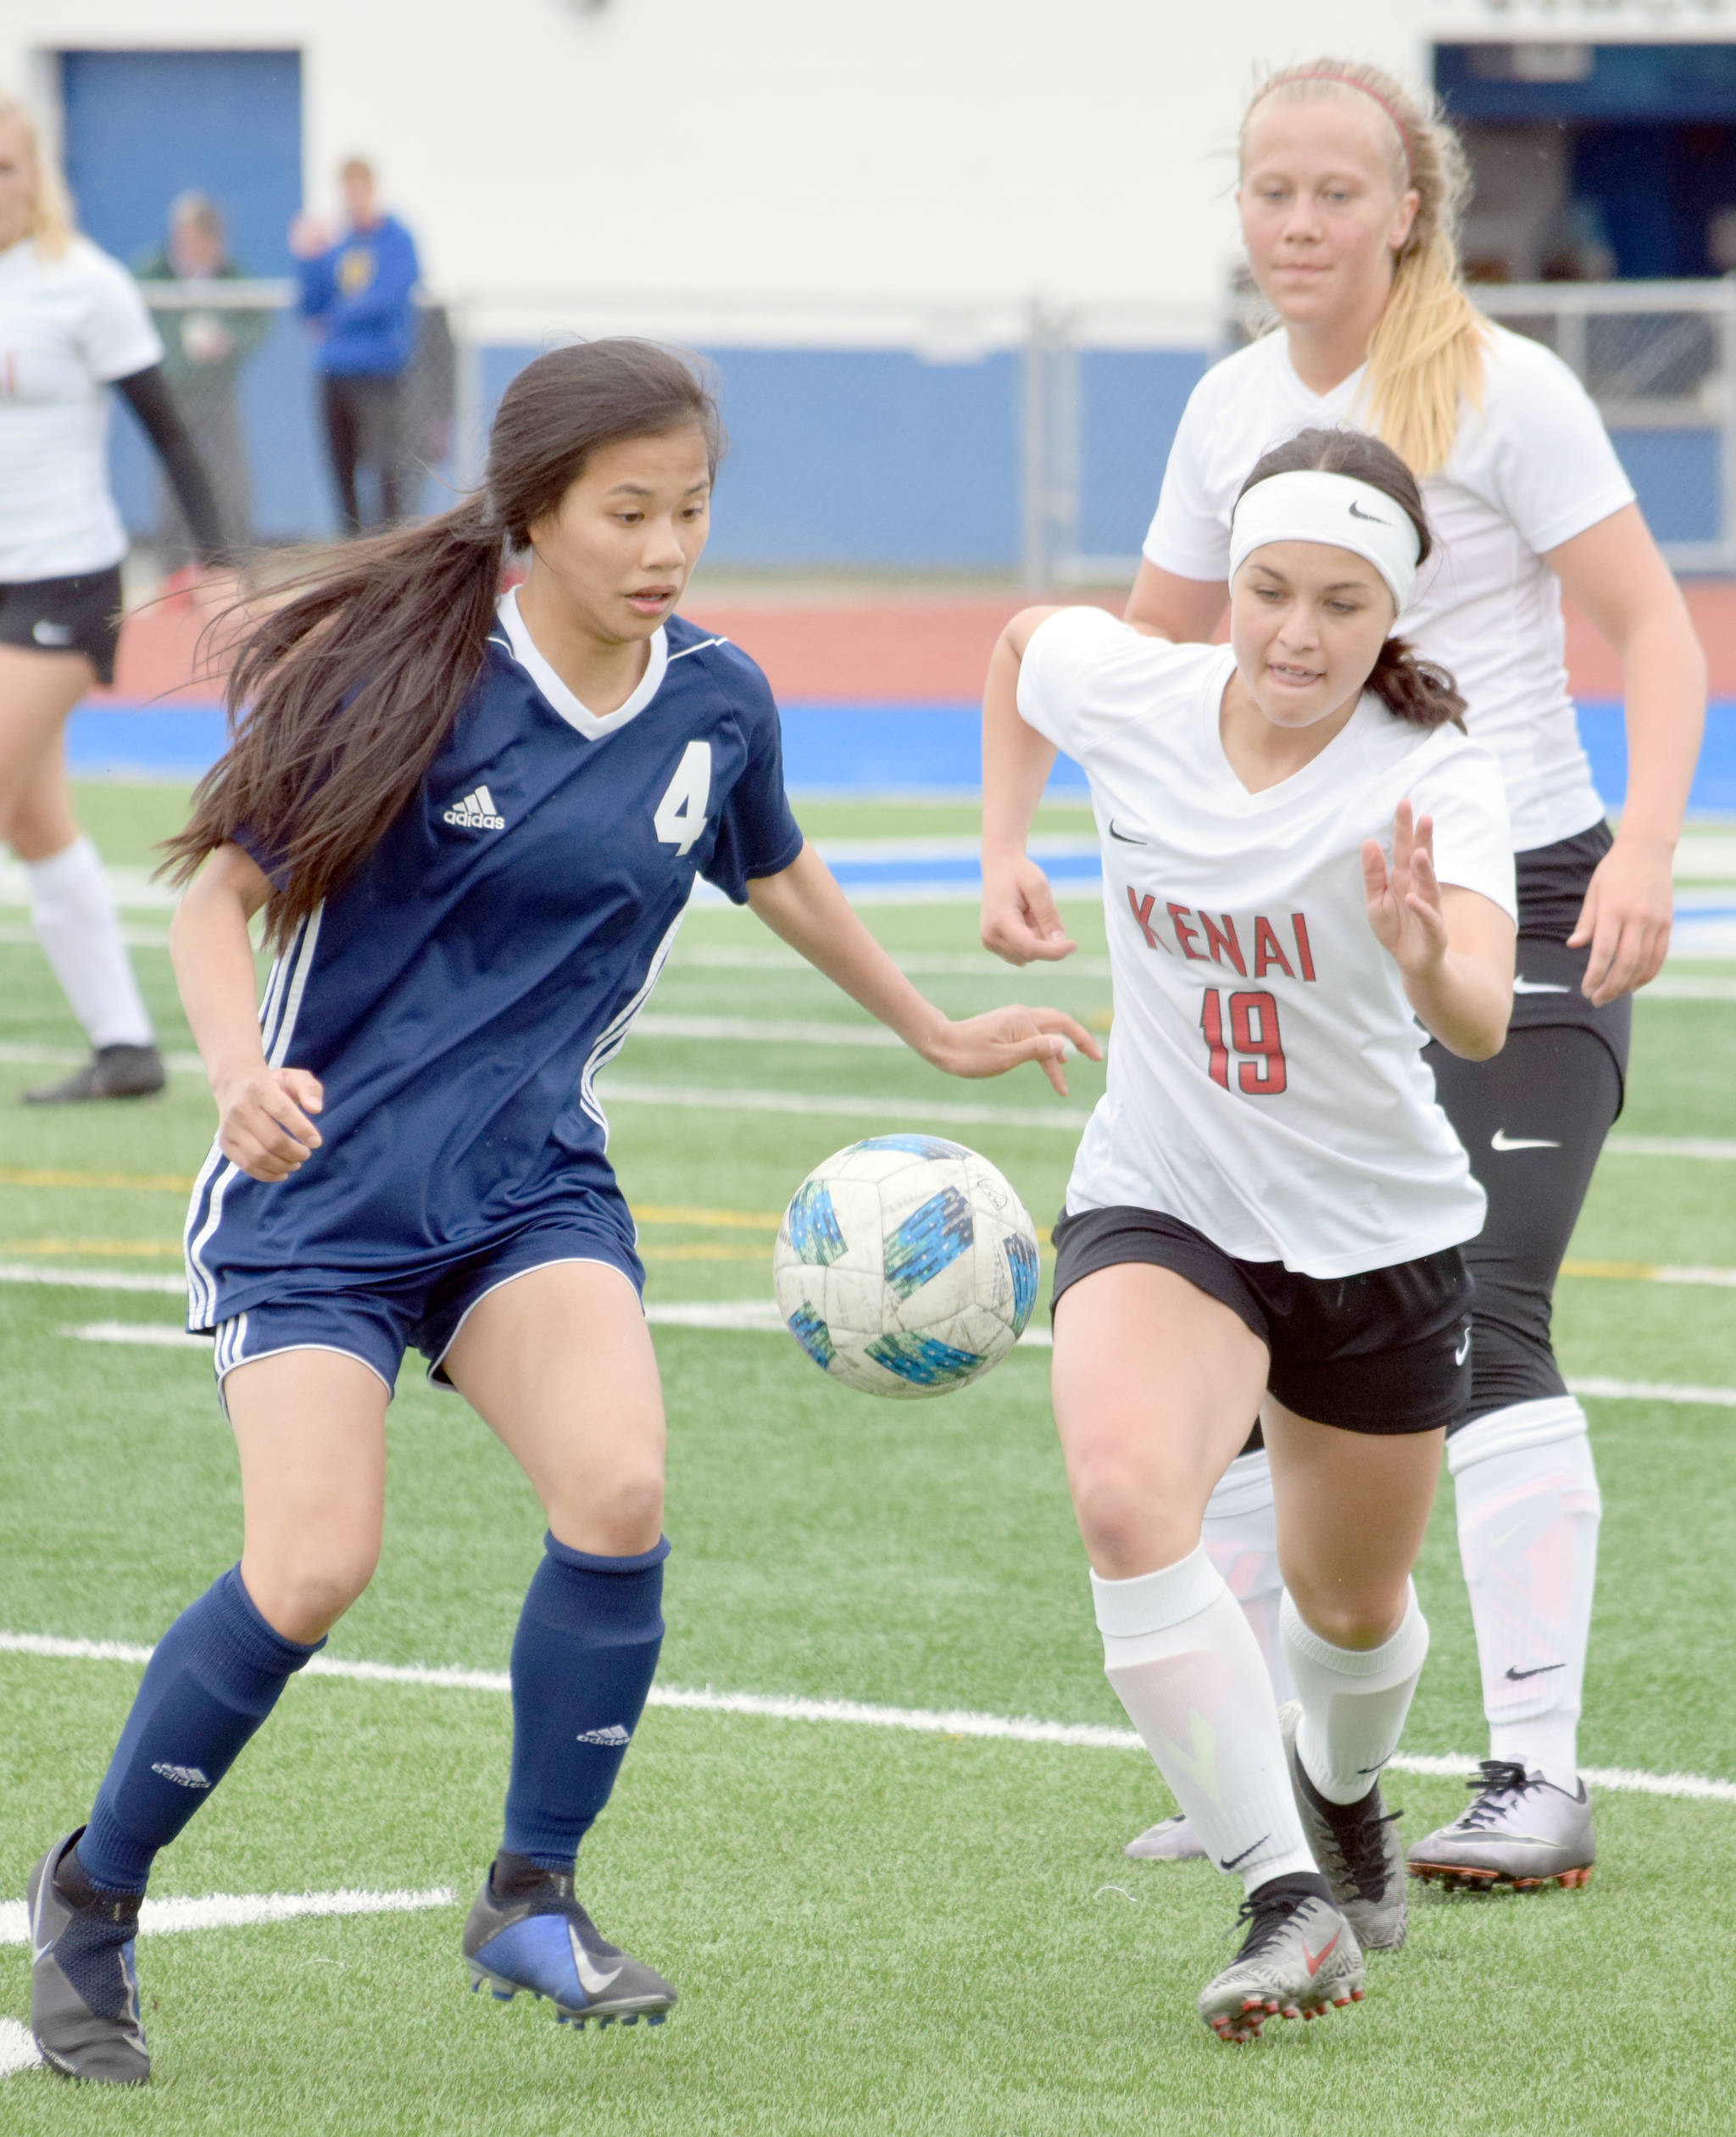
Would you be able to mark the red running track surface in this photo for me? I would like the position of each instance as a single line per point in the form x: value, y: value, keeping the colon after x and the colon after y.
x: 892, y: 651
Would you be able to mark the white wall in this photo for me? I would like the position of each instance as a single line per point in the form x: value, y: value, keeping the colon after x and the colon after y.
x: 927, y: 148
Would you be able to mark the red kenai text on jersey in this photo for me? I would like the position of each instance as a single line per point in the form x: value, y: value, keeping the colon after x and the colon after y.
x: 1250, y: 947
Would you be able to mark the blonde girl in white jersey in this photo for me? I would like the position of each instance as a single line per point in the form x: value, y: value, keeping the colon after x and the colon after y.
x: 1348, y: 197
x: 72, y: 323
x: 1304, y: 854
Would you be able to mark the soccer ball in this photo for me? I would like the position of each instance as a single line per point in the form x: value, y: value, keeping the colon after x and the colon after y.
x: 905, y: 1266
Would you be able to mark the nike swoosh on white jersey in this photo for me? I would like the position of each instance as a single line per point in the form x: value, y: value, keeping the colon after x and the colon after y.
x: 591, y: 1979
x: 1538, y: 987
x: 1500, y: 1140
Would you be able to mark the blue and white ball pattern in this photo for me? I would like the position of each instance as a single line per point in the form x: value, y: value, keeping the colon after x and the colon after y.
x: 905, y: 1266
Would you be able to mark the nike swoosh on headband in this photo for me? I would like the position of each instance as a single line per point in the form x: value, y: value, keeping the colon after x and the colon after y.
x: 1356, y: 512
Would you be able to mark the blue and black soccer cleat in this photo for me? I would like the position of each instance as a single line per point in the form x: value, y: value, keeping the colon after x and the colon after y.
x: 84, y: 1993
x: 541, y: 1940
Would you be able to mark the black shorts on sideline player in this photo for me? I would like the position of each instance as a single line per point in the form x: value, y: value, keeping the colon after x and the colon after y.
x: 80, y: 615
x: 1385, y: 1351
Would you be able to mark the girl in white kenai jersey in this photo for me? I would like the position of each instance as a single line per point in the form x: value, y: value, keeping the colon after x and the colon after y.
x: 1349, y: 189
x: 1303, y: 855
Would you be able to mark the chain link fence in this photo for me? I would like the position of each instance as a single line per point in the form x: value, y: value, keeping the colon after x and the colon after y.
x: 1007, y: 440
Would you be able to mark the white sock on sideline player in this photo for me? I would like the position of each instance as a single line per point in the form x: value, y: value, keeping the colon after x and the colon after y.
x: 1354, y: 1701
x: 1183, y: 1663
x: 1528, y: 1509
x: 73, y: 919
x: 1240, y: 1534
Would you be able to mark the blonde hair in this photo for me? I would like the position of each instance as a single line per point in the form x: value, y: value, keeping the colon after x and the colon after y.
x: 53, y: 223
x: 1425, y: 354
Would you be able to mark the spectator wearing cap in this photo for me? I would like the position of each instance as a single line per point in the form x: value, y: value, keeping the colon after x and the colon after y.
x: 358, y: 295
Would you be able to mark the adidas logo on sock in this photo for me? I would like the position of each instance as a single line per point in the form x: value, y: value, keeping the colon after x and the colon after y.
x: 183, y: 1776
x: 476, y: 812
x: 612, y: 1735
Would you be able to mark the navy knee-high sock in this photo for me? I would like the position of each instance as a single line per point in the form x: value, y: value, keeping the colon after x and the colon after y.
x: 214, y: 1677
x: 582, y: 1661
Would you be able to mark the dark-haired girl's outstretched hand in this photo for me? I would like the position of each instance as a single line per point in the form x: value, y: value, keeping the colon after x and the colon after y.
x: 1404, y: 900
x: 1452, y: 946
x: 1020, y: 921
x: 1002, y: 1038
x: 264, y: 1123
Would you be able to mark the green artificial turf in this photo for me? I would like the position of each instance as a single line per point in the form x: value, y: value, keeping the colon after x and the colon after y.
x: 872, y: 1931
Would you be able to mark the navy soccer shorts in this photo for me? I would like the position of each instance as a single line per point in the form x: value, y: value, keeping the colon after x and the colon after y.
x: 1387, y: 1350
x: 376, y: 1320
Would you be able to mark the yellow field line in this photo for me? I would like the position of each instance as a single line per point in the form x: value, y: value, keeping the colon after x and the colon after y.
x: 1652, y: 1273
x: 167, y: 1183
x: 155, y: 1182
x: 724, y: 1219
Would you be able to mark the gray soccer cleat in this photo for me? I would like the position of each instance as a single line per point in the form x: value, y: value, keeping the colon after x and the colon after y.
x: 1170, y: 1840
x: 1521, y: 1832
x: 111, y: 1072
x: 543, y: 1940
x: 84, y: 1993
x: 1299, y: 1959
x: 1356, y: 1845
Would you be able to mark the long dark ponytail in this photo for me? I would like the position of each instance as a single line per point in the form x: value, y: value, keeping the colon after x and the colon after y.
x: 339, y: 698
x: 1410, y: 687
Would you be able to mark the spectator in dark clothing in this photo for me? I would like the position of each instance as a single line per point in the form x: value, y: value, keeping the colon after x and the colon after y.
x: 203, y: 350
x: 358, y: 295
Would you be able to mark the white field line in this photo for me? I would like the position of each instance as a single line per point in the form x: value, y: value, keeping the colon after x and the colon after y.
x: 240, y: 1911
x: 957, y: 1722
x: 72, y: 1057
x: 1709, y: 1150
x: 91, y: 1279
x: 840, y: 1105
x: 17, y: 2050
x: 761, y: 1316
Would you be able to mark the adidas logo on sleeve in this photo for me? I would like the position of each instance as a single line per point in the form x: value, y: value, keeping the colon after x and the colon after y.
x: 476, y: 812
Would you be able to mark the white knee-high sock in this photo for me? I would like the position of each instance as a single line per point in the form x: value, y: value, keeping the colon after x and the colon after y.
x: 1528, y: 1509
x: 74, y: 922
x: 1187, y: 1669
x: 1354, y: 1701
x: 1240, y: 1534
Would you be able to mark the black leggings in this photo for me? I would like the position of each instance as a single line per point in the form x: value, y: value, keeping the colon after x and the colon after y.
x: 1556, y: 1085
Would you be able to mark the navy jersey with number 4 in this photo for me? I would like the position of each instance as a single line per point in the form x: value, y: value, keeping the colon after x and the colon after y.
x: 458, y: 994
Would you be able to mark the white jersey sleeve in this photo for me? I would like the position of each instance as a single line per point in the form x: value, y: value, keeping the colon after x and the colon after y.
x: 114, y: 328
x: 1086, y: 676
x: 1189, y: 533
x: 1473, y: 841
x: 1540, y: 447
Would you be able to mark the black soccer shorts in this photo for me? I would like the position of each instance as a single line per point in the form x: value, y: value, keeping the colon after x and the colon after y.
x: 80, y: 615
x: 1385, y: 1351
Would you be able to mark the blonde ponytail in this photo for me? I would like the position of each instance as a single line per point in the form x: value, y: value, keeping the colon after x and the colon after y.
x: 53, y: 223
x: 1425, y: 356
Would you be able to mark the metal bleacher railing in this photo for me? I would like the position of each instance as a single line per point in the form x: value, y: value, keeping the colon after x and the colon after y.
x: 1018, y: 438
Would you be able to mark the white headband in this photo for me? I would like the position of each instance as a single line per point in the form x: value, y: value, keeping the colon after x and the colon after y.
x: 1308, y: 506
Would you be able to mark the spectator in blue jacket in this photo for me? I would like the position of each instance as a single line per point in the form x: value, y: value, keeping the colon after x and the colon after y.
x: 358, y: 295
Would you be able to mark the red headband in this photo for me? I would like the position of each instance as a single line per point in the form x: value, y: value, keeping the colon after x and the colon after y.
x: 1349, y: 81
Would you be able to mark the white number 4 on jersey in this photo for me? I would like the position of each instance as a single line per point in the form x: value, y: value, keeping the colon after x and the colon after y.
x: 681, y: 815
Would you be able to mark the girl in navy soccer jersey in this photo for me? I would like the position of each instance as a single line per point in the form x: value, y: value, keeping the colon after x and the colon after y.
x: 1268, y: 1209
x: 472, y: 826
